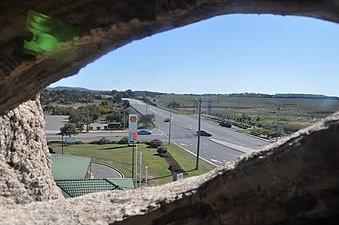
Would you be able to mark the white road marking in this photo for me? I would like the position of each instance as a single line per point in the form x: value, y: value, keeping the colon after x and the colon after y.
x: 183, y: 144
x: 233, y: 146
x: 213, y: 156
x: 162, y: 132
x: 217, y: 161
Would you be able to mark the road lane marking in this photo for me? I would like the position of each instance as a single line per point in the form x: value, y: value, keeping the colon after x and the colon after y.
x: 233, y: 146
x: 183, y: 144
x: 217, y: 161
x: 162, y: 132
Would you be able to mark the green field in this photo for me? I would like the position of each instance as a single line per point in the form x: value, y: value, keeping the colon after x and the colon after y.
x: 120, y: 157
x: 261, y: 113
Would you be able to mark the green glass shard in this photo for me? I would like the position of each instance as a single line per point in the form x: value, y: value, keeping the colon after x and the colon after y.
x: 47, y: 33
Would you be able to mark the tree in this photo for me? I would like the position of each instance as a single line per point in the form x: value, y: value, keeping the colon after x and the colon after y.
x: 86, y: 114
x: 128, y: 94
x: 147, y: 119
x: 116, y: 96
x: 68, y: 129
x: 116, y: 115
x: 125, y: 104
x: 173, y: 105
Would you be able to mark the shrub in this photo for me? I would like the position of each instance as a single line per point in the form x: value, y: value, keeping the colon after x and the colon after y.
x: 123, y: 140
x: 175, y: 168
x: 103, y: 141
x: 155, y: 143
x: 162, y: 151
x: 293, y: 127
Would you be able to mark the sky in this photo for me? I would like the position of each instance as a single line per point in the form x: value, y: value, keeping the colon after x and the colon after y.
x: 226, y: 54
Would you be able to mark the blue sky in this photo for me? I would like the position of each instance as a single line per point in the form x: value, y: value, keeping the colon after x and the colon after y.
x: 226, y: 54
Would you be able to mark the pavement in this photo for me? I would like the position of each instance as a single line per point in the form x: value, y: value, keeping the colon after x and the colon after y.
x: 102, y: 171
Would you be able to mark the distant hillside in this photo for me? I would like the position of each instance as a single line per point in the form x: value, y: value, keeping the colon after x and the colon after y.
x: 64, y: 88
x: 137, y: 93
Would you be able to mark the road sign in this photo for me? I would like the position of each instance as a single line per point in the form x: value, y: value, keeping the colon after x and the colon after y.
x: 132, y: 128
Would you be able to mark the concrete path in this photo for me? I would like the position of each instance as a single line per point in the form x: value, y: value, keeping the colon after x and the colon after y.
x: 102, y: 171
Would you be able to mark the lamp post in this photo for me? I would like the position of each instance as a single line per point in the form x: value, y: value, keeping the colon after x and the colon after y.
x: 170, y: 127
x: 87, y: 113
x: 62, y: 143
x: 124, y: 118
x: 278, y: 131
x: 198, y: 144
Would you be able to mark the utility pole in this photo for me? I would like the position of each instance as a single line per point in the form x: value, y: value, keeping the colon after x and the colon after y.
x: 146, y: 175
x: 198, y: 145
x: 124, y: 118
x: 133, y: 162
x: 62, y: 143
x: 87, y: 113
x: 140, y: 172
x: 278, y: 108
x: 170, y: 127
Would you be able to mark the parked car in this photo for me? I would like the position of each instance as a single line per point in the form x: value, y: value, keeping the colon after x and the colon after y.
x: 167, y: 120
x: 204, y: 133
x: 225, y: 124
x: 144, y: 132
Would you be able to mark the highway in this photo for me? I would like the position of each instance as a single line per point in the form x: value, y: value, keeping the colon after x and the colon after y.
x: 224, y: 145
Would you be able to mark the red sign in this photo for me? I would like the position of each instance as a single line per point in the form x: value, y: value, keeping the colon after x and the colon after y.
x: 135, y: 136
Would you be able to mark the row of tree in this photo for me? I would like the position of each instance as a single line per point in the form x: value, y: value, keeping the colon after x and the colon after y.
x: 73, y: 96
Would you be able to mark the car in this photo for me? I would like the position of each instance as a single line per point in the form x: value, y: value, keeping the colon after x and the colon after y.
x: 225, y: 124
x: 167, y: 120
x: 144, y: 132
x: 204, y: 133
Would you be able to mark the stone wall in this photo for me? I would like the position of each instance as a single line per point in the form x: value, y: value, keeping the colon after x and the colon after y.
x: 25, y: 164
x: 106, y: 25
x: 294, y: 181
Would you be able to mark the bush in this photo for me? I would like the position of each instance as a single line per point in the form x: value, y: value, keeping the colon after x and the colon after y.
x: 103, y: 141
x: 123, y: 140
x: 175, y: 168
x: 162, y: 151
x: 155, y: 143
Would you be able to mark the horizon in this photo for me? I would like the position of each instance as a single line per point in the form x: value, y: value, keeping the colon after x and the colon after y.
x: 233, y: 93
x: 239, y: 53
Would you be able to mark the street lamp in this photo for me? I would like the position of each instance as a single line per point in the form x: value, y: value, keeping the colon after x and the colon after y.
x: 278, y: 131
x: 62, y: 143
x: 199, y: 125
x: 87, y: 113
x: 170, y: 127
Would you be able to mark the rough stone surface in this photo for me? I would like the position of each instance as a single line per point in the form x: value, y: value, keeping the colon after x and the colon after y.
x: 106, y: 25
x: 25, y: 165
x: 294, y: 181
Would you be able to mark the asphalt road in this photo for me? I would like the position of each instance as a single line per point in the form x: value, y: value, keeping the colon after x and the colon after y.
x: 225, y: 144
x: 184, y: 129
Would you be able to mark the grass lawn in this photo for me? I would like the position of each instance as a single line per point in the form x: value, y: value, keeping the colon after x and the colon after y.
x: 120, y: 157
x: 187, y: 161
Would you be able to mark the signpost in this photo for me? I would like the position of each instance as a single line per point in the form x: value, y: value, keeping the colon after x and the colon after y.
x: 133, y: 138
x: 133, y: 128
